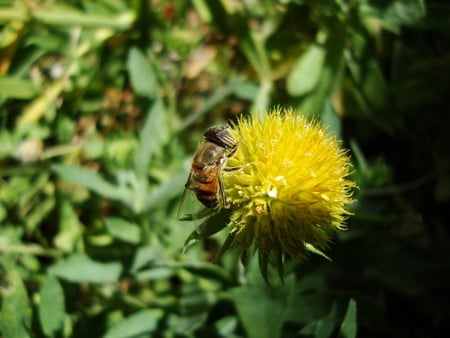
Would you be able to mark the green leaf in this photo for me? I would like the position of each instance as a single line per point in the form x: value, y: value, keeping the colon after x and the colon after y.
x: 372, y: 93
x: 331, y: 120
x: 213, y: 224
x: 155, y: 273
x: 16, y: 88
x: 146, y: 256
x: 61, y: 14
x: 140, y: 323
x: 210, y: 102
x: 81, y: 268
x: 261, y: 310
x: 15, y: 312
x: 51, y: 307
x: 142, y: 76
x: 187, y: 324
x: 331, y: 72
x: 306, y: 72
x: 206, y: 270
x: 224, y: 247
x: 311, y: 248
x: 261, y: 101
x: 401, y: 12
x: 94, y: 181
x: 202, y: 10
x: 153, y: 135
x: 226, y: 326
x: 70, y: 228
x: 166, y: 190
x: 322, y: 328
x: 123, y: 230
x: 246, y: 90
x: 349, y: 325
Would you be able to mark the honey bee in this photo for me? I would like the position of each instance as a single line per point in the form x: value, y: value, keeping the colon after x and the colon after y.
x: 209, y: 161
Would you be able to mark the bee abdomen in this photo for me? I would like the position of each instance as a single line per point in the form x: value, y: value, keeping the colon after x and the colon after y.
x: 208, y: 198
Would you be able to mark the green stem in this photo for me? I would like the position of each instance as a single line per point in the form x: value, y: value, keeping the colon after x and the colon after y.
x: 30, y: 250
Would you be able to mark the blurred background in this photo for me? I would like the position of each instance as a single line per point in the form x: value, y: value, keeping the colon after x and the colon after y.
x: 102, y: 105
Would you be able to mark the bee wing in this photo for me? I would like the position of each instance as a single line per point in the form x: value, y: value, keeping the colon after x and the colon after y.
x: 182, y: 206
x: 190, y: 208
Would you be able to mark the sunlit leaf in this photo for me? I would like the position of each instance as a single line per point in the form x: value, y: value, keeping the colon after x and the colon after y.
x: 323, y: 327
x: 123, y: 230
x: 306, y: 72
x: 15, y: 312
x: 331, y: 120
x: 205, y: 269
x: 142, y: 75
x: 81, y: 268
x: 70, y: 227
x: 145, y: 256
x: 62, y: 14
x: 94, y: 181
x: 186, y: 325
x: 311, y: 248
x: 404, y: 12
x: 349, y: 325
x: 314, y: 102
x: 141, y: 323
x: 154, y: 274
x: 17, y: 88
x: 226, y: 326
x: 211, y: 101
x: 213, y: 224
x: 51, y: 306
x: 153, y: 135
x: 261, y: 310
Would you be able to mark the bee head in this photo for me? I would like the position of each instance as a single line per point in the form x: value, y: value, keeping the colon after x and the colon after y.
x: 221, y: 136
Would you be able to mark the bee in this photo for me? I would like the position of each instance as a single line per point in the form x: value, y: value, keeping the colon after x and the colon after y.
x: 207, y: 166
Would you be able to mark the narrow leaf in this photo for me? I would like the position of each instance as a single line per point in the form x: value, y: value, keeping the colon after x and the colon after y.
x: 140, y: 323
x: 331, y: 119
x: 306, y: 72
x: 166, y: 190
x: 400, y: 12
x: 349, y: 325
x: 142, y: 76
x: 61, y: 14
x: 51, y: 307
x: 311, y: 248
x: 93, y: 181
x: 213, y: 224
x: 210, y: 102
x: 16, y: 88
x: 261, y: 311
x: 123, y: 230
x: 15, y: 311
x: 81, y: 268
x: 153, y: 136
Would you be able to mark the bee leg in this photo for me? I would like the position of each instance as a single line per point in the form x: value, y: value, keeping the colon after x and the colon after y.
x: 228, y: 169
x: 225, y: 203
x: 233, y: 151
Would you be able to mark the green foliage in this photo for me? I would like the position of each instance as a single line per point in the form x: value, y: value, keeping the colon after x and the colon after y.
x: 102, y: 104
x: 140, y: 323
x: 51, y: 307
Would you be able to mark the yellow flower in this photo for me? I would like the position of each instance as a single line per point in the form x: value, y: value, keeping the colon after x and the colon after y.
x: 292, y: 190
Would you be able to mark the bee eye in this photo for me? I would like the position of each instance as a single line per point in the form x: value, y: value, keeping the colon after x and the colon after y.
x: 220, y: 136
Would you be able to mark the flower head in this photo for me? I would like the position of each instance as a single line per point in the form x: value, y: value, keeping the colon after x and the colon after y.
x: 292, y: 189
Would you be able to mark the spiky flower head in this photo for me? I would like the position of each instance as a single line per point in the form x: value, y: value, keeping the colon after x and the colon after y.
x: 292, y: 190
